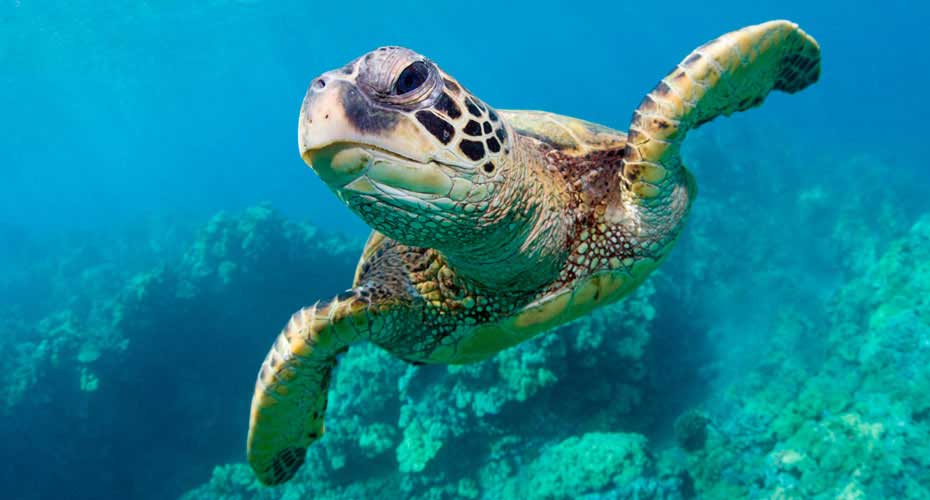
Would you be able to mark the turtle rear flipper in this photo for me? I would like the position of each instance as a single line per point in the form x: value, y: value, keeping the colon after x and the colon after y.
x: 291, y: 391
x: 732, y: 73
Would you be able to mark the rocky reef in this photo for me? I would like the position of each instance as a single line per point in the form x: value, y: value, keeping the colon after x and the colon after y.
x: 780, y: 353
x: 839, y: 409
x: 136, y: 371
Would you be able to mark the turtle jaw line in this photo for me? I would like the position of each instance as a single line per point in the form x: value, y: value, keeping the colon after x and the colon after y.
x: 353, y: 167
x: 308, y: 153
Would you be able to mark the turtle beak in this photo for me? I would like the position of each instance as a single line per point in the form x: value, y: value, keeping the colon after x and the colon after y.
x: 336, y: 111
x: 328, y: 139
x: 354, y: 144
x: 338, y: 164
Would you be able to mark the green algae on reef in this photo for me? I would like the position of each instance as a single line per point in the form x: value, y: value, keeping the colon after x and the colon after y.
x: 689, y: 388
x: 808, y: 403
x: 853, y: 425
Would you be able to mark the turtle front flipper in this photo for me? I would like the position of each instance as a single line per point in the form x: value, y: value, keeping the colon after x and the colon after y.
x: 732, y: 73
x: 291, y: 391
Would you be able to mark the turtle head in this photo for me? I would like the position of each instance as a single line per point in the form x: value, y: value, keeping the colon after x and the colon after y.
x: 407, y: 148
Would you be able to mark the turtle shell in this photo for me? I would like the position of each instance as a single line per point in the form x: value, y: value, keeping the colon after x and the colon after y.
x: 569, y: 135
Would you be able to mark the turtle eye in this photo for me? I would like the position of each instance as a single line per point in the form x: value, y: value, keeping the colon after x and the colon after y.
x: 411, y: 78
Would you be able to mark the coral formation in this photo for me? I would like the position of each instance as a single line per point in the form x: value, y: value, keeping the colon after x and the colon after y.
x: 691, y: 430
x: 740, y: 370
x: 460, y: 431
x: 595, y: 465
x: 171, y: 336
x: 850, y: 423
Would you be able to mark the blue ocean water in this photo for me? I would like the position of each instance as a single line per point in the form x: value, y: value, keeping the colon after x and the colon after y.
x: 157, y: 227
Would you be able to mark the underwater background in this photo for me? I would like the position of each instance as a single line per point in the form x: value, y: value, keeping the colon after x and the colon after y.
x: 158, y: 227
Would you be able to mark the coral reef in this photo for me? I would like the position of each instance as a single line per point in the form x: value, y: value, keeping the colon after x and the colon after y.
x: 849, y: 421
x: 161, y: 350
x: 459, y: 431
x: 691, y: 430
x: 595, y: 465
x: 747, y: 367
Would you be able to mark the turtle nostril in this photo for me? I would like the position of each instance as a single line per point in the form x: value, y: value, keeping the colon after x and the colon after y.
x: 319, y: 83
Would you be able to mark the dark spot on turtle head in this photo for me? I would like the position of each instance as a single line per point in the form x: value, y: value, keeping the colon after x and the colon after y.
x: 472, y: 128
x: 492, y: 114
x: 493, y: 145
x: 662, y: 124
x: 662, y: 89
x: 472, y: 108
x: 501, y: 134
x: 487, y: 128
x: 448, y: 106
x: 441, y: 129
x: 346, y: 295
x: 473, y: 150
x: 451, y: 85
x: 348, y: 69
x: 489, y: 167
x: 363, y: 115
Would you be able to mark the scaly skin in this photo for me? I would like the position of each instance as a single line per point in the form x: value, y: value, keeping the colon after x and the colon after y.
x: 491, y: 226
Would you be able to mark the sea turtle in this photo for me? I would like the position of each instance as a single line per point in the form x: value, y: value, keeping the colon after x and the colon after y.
x: 491, y: 226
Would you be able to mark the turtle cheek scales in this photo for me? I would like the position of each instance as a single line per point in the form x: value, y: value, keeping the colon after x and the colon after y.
x: 441, y: 129
x: 446, y: 105
x: 452, y: 86
x: 472, y: 128
x: 501, y: 134
x: 473, y: 150
x: 472, y: 108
